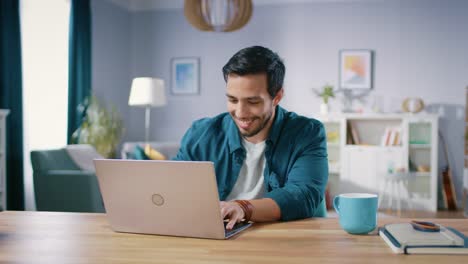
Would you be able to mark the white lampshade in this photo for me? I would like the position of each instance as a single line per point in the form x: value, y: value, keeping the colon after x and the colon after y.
x: 147, y: 91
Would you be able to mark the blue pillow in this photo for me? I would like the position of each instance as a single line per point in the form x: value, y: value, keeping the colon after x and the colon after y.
x: 139, y: 153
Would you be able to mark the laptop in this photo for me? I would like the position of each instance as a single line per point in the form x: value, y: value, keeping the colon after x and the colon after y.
x: 174, y: 198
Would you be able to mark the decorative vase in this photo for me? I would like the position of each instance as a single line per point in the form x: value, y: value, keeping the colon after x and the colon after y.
x: 412, y: 105
x: 324, y: 109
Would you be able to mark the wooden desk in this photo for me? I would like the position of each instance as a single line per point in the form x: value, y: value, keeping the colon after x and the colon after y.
x: 43, y: 237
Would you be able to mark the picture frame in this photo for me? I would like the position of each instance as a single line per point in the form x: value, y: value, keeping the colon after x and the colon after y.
x: 185, y: 76
x: 355, y: 69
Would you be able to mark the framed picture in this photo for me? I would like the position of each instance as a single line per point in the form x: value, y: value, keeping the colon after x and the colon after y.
x: 355, y: 69
x: 185, y: 74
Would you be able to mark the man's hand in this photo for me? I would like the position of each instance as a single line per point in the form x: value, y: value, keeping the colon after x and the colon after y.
x: 233, y: 212
x: 265, y: 210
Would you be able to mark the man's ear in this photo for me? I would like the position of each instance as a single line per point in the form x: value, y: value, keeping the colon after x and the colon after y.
x: 278, y: 97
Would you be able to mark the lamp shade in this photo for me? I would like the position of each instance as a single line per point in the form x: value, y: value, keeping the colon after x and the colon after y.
x: 218, y: 15
x: 147, y: 91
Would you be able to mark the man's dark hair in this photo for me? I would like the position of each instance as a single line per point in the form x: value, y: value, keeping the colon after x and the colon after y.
x: 254, y: 60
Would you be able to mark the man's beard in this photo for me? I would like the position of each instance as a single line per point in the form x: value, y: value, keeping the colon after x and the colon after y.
x: 256, y: 131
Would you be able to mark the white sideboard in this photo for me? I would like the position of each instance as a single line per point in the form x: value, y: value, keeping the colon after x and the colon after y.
x: 382, y: 144
x: 3, y: 116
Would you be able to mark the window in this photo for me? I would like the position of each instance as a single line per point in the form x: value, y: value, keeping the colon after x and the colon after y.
x: 44, y: 33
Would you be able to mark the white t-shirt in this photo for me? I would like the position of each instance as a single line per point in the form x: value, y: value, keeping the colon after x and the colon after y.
x: 250, y: 183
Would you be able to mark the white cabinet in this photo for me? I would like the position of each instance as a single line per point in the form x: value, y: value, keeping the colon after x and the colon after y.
x: 3, y: 115
x: 364, y: 148
x: 358, y: 170
x: 364, y: 167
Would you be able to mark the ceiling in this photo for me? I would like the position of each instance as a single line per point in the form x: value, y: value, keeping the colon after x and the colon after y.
x: 140, y: 5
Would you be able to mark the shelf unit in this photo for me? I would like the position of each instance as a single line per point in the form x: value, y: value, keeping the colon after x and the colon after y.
x: 336, y: 136
x: 3, y: 116
x: 387, y: 143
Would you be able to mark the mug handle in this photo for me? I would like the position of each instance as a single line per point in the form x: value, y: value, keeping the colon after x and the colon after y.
x: 336, y: 204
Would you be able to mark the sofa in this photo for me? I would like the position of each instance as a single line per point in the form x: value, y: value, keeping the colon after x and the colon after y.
x: 168, y: 149
x: 66, y: 183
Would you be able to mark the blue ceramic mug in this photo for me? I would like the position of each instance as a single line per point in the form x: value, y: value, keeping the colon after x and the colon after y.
x: 357, y: 212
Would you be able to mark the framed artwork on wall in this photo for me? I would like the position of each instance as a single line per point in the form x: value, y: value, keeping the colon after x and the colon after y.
x: 185, y: 76
x: 355, y: 70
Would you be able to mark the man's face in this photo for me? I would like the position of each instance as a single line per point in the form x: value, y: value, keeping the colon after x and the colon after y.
x: 251, y: 106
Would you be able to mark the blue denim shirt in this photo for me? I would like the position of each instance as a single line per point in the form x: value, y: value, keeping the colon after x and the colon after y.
x: 296, y: 169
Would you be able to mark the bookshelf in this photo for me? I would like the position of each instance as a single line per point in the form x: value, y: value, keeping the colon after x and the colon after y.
x: 3, y: 115
x: 364, y: 148
x: 423, y: 159
x: 336, y: 134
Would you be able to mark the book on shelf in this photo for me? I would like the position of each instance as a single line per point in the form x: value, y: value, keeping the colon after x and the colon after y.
x: 403, y: 238
x: 349, y: 137
x: 355, y: 135
x: 391, y: 137
x: 397, y: 139
x: 352, y: 135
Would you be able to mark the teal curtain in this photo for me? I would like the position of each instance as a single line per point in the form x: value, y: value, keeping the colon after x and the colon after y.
x: 11, y: 97
x: 79, y: 56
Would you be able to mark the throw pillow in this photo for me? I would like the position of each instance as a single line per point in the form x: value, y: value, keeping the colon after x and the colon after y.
x: 139, y: 153
x: 153, y: 154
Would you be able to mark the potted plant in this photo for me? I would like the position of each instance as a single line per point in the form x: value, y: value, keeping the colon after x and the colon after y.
x: 100, y: 127
x: 326, y: 93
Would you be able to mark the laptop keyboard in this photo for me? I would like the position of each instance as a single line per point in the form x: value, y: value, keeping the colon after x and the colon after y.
x: 235, y: 228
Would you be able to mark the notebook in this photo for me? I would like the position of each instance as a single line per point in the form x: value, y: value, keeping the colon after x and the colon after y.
x: 175, y: 198
x: 404, y: 239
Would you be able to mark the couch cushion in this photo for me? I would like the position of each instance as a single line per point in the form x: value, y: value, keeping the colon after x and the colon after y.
x: 54, y: 159
x: 83, y: 156
x: 168, y: 149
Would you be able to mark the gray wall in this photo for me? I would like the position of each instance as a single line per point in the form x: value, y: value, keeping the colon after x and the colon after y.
x: 420, y: 51
x: 111, y: 55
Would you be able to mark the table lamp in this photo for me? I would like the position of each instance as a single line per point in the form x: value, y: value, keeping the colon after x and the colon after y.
x: 147, y: 92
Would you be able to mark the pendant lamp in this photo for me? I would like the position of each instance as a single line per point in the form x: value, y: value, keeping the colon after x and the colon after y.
x: 218, y: 15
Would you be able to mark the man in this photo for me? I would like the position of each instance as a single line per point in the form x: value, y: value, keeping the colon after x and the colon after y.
x: 270, y: 164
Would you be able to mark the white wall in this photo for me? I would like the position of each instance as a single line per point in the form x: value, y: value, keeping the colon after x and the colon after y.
x: 420, y: 51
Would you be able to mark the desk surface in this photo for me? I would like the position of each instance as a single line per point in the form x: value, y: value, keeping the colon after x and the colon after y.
x: 43, y: 237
